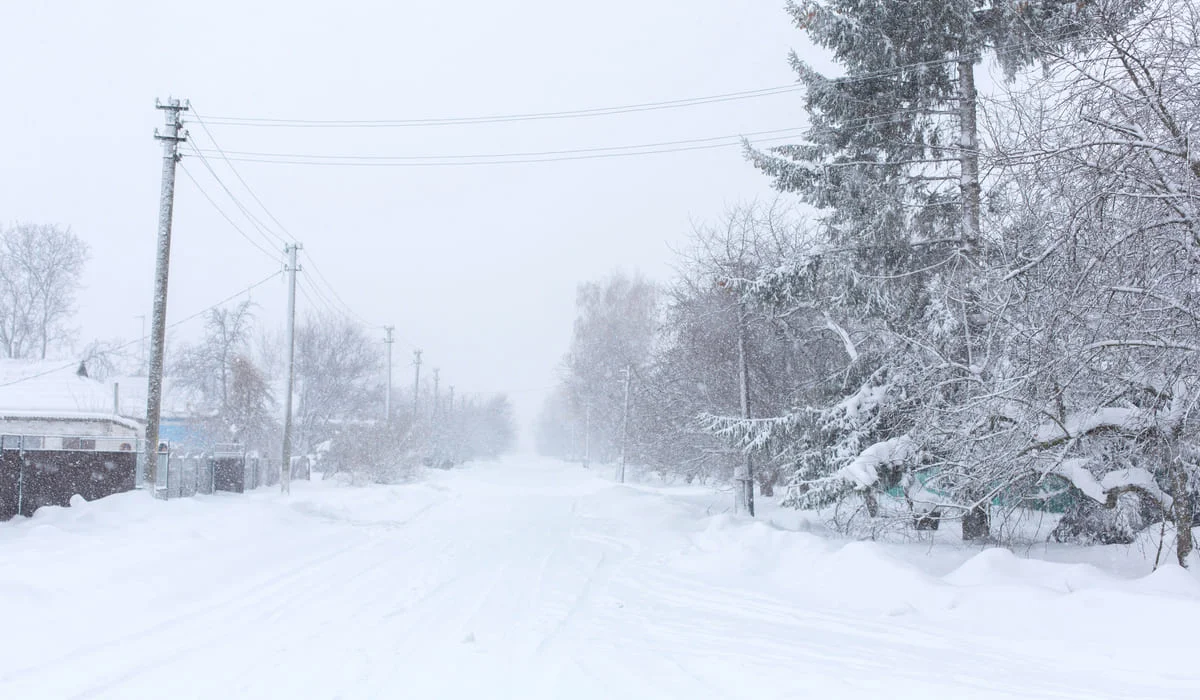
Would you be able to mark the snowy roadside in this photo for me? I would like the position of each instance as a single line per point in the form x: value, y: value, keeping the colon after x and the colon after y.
x: 536, y: 579
x: 940, y: 552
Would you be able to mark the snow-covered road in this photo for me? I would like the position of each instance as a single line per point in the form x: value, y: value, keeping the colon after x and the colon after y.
x: 534, y: 579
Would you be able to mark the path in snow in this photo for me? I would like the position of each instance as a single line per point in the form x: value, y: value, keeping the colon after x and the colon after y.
x: 535, y: 579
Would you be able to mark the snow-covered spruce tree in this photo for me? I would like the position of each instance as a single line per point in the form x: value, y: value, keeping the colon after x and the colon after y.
x: 892, y: 157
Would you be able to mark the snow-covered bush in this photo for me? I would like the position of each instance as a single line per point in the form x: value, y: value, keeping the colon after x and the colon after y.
x: 374, y: 454
x: 1089, y: 522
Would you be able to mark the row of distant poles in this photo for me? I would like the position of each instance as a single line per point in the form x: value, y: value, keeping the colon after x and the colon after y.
x: 172, y: 136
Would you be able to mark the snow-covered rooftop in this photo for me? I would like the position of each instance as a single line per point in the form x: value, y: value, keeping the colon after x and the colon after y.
x: 50, y: 389
x: 54, y: 389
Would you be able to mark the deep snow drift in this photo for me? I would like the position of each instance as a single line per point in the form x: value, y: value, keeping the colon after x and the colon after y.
x: 536, y: 579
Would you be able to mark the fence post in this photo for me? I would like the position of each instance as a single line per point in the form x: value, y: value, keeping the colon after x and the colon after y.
x: 20, y: 475
x: 139, y: 464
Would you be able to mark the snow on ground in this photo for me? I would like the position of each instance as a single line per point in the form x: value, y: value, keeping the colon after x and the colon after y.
x: 536, y: 579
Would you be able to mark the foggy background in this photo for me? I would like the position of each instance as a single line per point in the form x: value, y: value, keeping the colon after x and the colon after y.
x: 476, y: 265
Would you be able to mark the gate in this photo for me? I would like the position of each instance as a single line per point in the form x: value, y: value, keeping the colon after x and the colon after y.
x: 39, y: 470
x: 188, y: 473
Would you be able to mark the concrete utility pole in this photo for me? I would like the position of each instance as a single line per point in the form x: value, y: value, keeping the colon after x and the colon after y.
x: 171, y: 137
x: 625, y: 422
x: 387, y: 396
x: 587, y: 435
x: 416, y: 383
x: 744, y: 494
x: 450, y: 405
x: 436, y: 371
x: 285, y: 473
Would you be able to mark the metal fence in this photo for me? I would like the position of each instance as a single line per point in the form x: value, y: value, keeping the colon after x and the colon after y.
x: 42, y: 470
x: 187, y: 475
x: 222, y: 468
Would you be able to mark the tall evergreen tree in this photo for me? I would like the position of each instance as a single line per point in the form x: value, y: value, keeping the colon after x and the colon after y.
x: 885, y: 137
x: 892, y: 158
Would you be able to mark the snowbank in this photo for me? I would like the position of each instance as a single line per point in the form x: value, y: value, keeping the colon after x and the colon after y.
x: 530, y: 579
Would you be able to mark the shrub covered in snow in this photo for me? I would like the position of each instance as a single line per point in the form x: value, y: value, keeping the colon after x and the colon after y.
x: 1090, y: 522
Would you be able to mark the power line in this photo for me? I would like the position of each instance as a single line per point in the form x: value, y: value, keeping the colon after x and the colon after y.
x: 330, y: 306
x: 262, y: 227
x: 135, y: 341
x: 538, y: 156
x: 321, y: 302
x: 258, y: 224
x: 684, y: 145
x: 997, y: 51
x: 227, y: 299
x: 304, y: 293
x: 238, y: 175
x: 318, y: 302
x: 251, y: 241
x: 527, y: 154
x: 606, y: 111
x: 333, y: 291
x: 283, y: 159
x: 498, y: 118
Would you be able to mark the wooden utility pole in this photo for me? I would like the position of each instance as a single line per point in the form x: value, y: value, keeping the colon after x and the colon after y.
x: 285, y: 474
x: 171, y: 137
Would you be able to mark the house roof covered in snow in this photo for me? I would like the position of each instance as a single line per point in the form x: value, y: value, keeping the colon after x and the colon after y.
x: 53, y: 390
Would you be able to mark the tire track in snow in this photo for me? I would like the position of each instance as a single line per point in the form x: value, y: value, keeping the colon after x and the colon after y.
x: 263, y: 599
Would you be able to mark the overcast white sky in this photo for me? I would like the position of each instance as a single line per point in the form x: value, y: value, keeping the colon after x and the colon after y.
x: 476, y: 265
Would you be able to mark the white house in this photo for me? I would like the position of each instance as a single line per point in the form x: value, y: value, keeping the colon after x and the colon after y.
x: 55, y: 406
